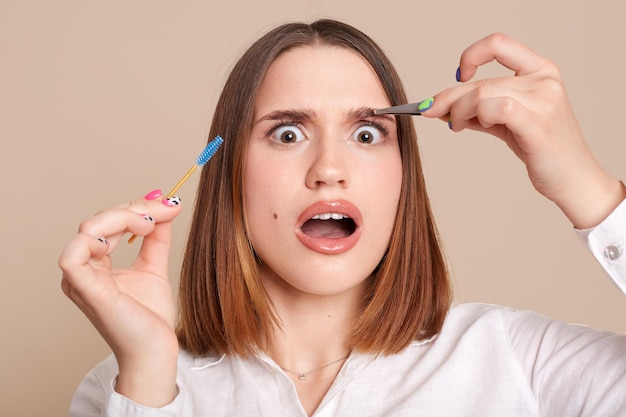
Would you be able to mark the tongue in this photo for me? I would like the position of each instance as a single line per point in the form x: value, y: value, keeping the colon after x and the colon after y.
x: 333, y: 229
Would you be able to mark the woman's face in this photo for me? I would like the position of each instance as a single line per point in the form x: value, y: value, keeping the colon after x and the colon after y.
x: 323, y: 174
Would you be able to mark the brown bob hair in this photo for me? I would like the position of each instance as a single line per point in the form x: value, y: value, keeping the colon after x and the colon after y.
x: 223, y: 305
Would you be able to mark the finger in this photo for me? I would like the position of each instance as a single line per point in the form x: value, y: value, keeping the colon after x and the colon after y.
x: 467, y: 106
x: 152, y: 195
x: 80, y: 250
x: 79, y: 261
x: 444, y: 100
x: 508, y: 52
x: 522, y: 126
x: 507, y: 119
x: 114, y: 223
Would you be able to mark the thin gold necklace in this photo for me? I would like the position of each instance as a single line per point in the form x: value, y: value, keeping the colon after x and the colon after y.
x: 302, y: 375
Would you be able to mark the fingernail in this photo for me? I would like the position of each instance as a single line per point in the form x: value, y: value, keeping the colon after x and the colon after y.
x: 422, y: 106
x: 146, y: 217
x: 458, y: 75
x: 154, y: 194
x: 103, y: 240
x: 172, y: 201
x: 450, y: 122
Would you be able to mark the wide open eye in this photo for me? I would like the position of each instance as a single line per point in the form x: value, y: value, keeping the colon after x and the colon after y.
x: 288, y: 134
x: 368, y: 134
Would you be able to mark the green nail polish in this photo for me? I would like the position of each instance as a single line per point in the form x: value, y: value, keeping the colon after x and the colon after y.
x: 426, y: 104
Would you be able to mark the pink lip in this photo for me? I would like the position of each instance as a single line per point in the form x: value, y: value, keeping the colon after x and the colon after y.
x: 326, y: 245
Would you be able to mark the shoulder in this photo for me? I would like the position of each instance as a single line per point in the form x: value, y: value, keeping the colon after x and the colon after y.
x: 486, y: 326
x: 488, y: 318
x: 472, y: 315
x: 522, y: 333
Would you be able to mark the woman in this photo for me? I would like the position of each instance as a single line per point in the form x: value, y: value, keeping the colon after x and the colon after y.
x: 313, y: 282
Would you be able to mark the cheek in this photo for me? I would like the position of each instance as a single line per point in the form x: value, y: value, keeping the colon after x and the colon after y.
x: 388, y: 190
x: 257, y: 182
x: 261, y: 193
x: 388, y: 180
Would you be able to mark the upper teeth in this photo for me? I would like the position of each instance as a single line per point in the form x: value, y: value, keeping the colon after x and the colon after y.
x: 327, y: 216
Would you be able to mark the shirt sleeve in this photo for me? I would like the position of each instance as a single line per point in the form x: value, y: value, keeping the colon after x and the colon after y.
x: 607, y: 243
x: 96, y: 397
x: 572, y: 370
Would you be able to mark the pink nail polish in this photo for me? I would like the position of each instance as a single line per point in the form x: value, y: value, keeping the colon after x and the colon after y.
x: 153, y: 195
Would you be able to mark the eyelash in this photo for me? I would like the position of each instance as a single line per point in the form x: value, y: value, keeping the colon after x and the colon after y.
x: 281, y: 123
x: 375, y: 125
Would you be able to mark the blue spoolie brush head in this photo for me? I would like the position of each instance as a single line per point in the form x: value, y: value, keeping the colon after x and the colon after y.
x: 209, y: 151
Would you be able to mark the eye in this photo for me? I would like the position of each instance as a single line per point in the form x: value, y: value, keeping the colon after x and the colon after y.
x: 368, y: 134
x: 287, y: 134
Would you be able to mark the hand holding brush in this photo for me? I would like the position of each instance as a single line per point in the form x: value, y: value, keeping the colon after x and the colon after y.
x: 201, y: 160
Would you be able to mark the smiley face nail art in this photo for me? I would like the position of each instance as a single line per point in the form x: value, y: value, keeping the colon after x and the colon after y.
x: 172, y: 201
x: 148, y: 218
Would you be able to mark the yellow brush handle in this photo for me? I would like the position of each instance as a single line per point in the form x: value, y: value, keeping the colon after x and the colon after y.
x: 171, y: 193
x: 182, y: 181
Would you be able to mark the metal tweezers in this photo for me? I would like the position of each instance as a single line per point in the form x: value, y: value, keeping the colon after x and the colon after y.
x: 410, y: 109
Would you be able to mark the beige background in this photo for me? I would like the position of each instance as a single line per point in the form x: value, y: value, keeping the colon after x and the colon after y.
x: 101, y: 102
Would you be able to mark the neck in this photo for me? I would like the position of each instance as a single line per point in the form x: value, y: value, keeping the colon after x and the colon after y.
x: 312, y: 339
x: 314, y: 330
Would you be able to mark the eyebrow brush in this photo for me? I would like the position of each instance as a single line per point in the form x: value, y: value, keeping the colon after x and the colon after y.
x: 201, y: 160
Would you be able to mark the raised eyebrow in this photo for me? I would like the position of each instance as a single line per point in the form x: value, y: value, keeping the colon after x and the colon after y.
x: 299, y: 115
x: 291, y: 114
x: 368, y: 113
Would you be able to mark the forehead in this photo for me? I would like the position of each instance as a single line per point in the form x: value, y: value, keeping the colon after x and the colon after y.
x: 307, y: 75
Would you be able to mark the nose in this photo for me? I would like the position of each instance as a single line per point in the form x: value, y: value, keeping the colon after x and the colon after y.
x: 329, y: 165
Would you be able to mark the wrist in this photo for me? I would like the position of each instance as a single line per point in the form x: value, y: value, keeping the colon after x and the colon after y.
x: 151, y: 383
x: 594, y: 202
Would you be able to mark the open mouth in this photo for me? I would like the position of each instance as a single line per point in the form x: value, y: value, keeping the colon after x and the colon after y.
x: 329, y: 225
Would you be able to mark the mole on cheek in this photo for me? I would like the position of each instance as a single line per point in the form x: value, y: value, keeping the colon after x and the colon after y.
x: 275, y: 215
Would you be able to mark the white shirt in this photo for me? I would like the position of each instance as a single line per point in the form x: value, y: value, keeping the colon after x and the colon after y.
x: 486, y: 361
x: 607, y: 242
